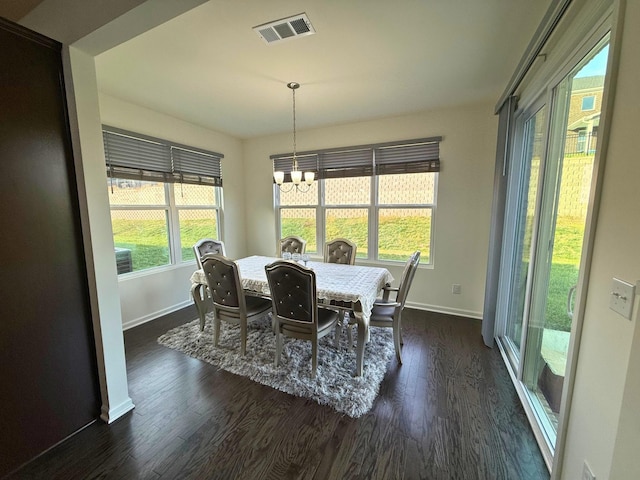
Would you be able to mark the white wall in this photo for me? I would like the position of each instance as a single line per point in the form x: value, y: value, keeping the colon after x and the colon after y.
x: 148, y: 295
x: 604, y: 423
x: 626, y: 461
x: 97, y: 234
x: 464, y: 195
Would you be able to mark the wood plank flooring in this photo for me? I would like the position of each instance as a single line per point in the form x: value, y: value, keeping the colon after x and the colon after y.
x: 449, y: 412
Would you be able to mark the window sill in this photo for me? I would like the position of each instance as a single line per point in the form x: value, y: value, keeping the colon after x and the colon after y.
x: 389, y: 263
x: 156, y: 271
x: 366, y: 262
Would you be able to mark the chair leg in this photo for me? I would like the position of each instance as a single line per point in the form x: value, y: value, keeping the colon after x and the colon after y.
x: 243, y: 337
x: 314, y: 357
x: 216, y: 330
x: 397, y: 340
x: 278, y: 347
x: 201, y: 307
x: 349, y: 337
x: 338, y: 334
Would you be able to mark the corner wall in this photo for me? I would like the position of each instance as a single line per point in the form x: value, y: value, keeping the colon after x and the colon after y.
x: 463, y: 204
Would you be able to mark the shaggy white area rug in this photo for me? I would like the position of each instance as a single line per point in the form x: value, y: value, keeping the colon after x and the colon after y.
x: 335, y: 384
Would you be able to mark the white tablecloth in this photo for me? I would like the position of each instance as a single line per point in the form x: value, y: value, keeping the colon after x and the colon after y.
x: 347, y: 283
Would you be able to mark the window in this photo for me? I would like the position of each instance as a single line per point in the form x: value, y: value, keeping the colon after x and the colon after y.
x: 589, y: 103
x: 582, y: 140
x: 164, y: 197
x: 140, y: 223
x: 197, y: 207
x: 405, y: 212
x: 381, y: 197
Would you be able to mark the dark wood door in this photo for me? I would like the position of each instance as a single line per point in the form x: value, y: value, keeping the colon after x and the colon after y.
x: 48, y: 374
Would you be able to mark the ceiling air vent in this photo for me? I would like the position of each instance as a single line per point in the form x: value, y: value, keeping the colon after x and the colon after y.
x: 285, y: 29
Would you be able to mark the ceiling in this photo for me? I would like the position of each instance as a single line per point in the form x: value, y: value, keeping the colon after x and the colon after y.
x: 369, y: 59
x: 14, y: 10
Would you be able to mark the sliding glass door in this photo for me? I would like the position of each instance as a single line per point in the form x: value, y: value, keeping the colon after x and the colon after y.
x: 523, y: 192
x: 547, y: 203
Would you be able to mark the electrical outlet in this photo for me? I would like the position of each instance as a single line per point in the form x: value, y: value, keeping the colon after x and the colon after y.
x: 587, y: 474
x: 456, y: 289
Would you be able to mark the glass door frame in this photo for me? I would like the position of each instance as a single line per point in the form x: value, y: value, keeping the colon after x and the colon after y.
x: 512, y: 355
x: 542, y: 250
x: 514, y: 193
x: 546, y: 93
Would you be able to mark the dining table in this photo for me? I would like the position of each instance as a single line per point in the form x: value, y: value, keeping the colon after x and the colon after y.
x: 348, y: 287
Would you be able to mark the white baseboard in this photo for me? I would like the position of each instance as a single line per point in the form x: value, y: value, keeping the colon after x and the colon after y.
x: 418, y: 306
x: 110, y: 415
x: 152, y: 316
x: 449, y: 311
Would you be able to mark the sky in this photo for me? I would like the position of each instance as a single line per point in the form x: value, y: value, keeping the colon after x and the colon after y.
x: 597, y: 65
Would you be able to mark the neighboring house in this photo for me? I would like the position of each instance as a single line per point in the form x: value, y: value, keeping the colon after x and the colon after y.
x: 586, y: 98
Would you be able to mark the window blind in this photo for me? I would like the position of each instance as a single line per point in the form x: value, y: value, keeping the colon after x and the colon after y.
x: 414, y: 157
x: 139, y: 157
x: 407, y: 156
x: 196, y: 167
x: 356, y: 162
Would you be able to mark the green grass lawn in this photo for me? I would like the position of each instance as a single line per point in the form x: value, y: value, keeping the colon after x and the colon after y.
x: 148, y: 242
x: 399, y: 236
x: 301, y: 227
x: 563, y: 277
x: 564, y: 271
x: 146, y: 239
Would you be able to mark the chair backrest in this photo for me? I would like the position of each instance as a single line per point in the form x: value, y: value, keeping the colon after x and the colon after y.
x: 223, y: 280
x: 292, y: 244
x: 293, y: 291
x: 340, y: 250
x: 207, y: 245
x: 407, y: 277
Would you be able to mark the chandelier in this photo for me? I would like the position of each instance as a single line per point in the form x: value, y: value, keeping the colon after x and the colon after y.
x: 296, y: 174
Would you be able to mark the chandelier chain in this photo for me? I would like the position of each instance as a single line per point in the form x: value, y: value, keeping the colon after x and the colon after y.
x: 295, y: 173
x: 295, y: 159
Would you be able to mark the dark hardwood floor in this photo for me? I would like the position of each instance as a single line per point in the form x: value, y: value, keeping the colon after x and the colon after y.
x: 450, y: 412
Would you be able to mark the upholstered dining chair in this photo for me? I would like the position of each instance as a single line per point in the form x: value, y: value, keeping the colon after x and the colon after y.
x: 387, y: 313
x: 229, y: 301
x: 292, y: 244
x: 200, y: 249
x: 295, y: 307
x: 340, y: 250
x: 207, y: 245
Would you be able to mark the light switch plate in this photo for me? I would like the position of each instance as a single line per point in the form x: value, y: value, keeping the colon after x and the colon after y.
x: 622, y: 297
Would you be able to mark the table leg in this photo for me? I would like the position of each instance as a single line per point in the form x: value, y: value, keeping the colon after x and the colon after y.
x: 198, y: 298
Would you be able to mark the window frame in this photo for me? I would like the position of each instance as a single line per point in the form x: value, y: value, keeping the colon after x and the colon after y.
x: 217, y: 208
x: 373, y: 209
x: 172, y: 214
x: 132, y: 156
x: 408, y: 206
